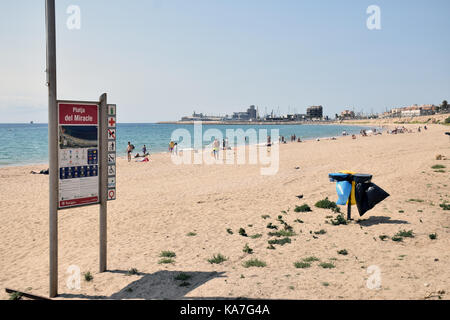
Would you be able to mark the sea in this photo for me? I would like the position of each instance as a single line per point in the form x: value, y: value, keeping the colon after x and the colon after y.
x: 25, y: 144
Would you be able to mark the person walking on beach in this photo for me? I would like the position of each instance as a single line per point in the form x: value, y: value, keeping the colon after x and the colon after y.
x: 129, y: 150
x: 216, y: 147
x: 144, y: 150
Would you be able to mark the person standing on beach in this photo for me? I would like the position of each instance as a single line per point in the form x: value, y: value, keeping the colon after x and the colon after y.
x: 144, y: 150
x: 216, y: 148
x: 171, y: 146
x: 129, y: 150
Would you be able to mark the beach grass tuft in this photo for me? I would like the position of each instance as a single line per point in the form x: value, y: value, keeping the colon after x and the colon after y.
x: 326, y: 204
x: 320, y: 232
x: 254, y: 263
x: 15, y: 296
x: 229, y: 231
x: 282, y: 233
x: 433, y: 236
x: 242, y: 232
x: 247, y: 249
x: 256, y: 236
x: 445, y: 206
x: 343, y: 252
x: 167, y: 254
x: 281, y: 242
x: 88, y: 276
x: 405, y: 234
x: 339, y: 220
x: 166, y: 261
x: 311, y: 259
x: 272, y: 226
x: 327, y: 265
x: 217, y: 259
x: 182, y: 277
x: 191, y: 234
x: 438, y: 166
x: 303, y: 208
x: 302, y: 265
x: 383, y: 237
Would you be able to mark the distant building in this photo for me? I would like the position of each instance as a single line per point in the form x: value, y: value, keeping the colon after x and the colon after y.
x: 411, y: 111
x: 252, y: 112
x: 347, y: 114
x: 315, y: 112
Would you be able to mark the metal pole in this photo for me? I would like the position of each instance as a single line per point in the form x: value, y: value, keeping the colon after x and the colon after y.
x: 349, y: 208
x: 103, y: 180
x: 52, y: 144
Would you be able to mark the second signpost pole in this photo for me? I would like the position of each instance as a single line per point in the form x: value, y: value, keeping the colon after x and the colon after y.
x: 103, y: 180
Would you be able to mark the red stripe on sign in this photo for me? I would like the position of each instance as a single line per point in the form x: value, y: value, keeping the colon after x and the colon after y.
x: 78, y: 202
x: 78, y: 114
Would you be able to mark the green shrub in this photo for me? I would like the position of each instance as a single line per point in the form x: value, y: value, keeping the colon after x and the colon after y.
x: 282, y: 233
x: 242, y: 232
x: 281, y: 242
x: 247, y: 249
x: 327, y: 265
x: 166, y: 261
x: 311, y: 259
x: 88, y: 277
x: 405, y: 234
x: 326, y: 204
x: 339, y: 220
x: 302, y: 265
x: 167, y: 254
x: 217, y: 259
x: 254, y: 263
x: 182, y: 277
x: 303, y: 208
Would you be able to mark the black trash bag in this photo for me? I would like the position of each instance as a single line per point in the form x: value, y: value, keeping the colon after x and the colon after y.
x: 368, y: 195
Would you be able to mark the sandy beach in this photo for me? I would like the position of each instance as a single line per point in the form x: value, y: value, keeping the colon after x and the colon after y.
x: 187, y: 209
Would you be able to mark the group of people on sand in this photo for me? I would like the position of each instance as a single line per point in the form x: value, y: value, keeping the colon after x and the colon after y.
x: 173, y: 147
x: 145, y: 153
x: 403, y: 129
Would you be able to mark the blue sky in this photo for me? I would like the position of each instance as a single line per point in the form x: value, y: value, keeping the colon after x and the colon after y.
x: 161, y: 59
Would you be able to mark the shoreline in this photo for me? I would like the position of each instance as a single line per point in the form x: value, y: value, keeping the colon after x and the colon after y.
x: 205, y: 149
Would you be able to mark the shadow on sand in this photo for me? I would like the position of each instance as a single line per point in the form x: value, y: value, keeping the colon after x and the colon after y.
x: 380, y: 220
x: 160, y: 286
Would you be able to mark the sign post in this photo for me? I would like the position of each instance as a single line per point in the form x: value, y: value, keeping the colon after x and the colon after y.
x: 104, y: 182
x: 82, y: 155
x: 52, y: 145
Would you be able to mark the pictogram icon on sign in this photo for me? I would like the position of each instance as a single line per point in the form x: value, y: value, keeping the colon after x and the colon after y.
x: 112, y: 194
x: 112, y: 134
x: 112, y: 110
x: 111, y: 122
x: 111, y: 170
x: 112, y: 158
x: 111, y: 182
x: 111, y: 146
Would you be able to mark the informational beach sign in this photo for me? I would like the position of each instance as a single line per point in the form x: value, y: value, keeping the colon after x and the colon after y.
x: 111, y: 152
x: 78, y: 148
